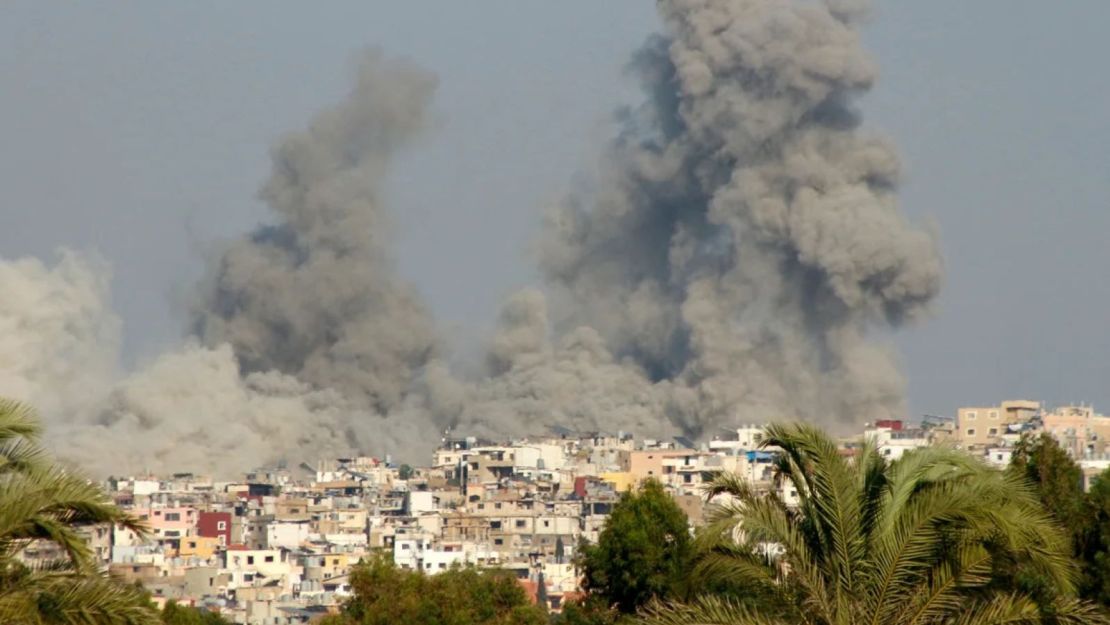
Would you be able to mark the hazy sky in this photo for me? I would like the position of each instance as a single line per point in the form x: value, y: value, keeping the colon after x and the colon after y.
x: 142, y: 130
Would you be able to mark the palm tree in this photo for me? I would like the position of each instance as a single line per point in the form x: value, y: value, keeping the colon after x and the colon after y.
x: 40, y: 501
x: 935, y: 537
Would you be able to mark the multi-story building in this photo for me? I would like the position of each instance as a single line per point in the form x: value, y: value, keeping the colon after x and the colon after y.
x: 215, y: 525
x: 982, y: 427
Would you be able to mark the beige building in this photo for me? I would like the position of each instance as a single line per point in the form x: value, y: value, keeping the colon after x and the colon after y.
x: 985, y: 426
x: 1079, y: 429
x: 649, y: 463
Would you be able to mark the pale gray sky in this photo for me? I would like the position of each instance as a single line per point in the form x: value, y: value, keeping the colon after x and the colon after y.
x: 141, y: 131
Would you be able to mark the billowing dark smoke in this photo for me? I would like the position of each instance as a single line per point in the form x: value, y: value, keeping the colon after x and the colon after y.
x: 315, y: 295
x: 743, y: 235
x: 736, y: 252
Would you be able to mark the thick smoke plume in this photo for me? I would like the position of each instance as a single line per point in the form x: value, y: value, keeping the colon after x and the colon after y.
x: 305, y: 341
x: 315, y: 295
x: 743, y: 236
x: 731, y: 260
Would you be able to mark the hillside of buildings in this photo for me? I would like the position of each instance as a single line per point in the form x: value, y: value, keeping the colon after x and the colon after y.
x: 277, y: 546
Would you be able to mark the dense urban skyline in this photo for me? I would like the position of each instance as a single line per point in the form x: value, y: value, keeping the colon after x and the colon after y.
x: 164, y: 151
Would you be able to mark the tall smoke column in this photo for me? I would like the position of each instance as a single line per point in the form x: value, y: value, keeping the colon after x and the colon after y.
x: 315, y: 295
x: 743, y: 237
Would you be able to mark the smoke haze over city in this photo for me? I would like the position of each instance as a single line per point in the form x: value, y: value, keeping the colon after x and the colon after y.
x: 733, y: 252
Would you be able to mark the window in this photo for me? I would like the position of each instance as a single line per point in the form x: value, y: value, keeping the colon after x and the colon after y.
x: 221, y: 525
x: 192, y: 544
x: 335, y: 562
x: 547, y: 523
x: 993, y: 431
x: 269, y: 558
x: 250, y: 560
x: 993, y: 414
x: 404, y: 546
x: 520, y: 523
x: 498, y: 541
x: 971, y: 431
x: 173, y: 516
x: 495, y: 525
x: 971, y: 416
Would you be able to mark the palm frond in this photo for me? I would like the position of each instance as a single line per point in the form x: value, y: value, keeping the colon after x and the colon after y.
x: 52, y: 599
x: 18, y: 420
x: 707, y: 610
x: 20, y: 455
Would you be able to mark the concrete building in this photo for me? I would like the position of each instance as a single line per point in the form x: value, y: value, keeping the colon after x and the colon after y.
x: 981, y: 427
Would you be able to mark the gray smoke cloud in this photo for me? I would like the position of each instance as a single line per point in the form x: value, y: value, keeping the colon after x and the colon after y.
x: 304, y: 342
x: 59, y: 338
x: 743, y: 237
x: 315, y: 295
x: 732, y: 260
x: 574, y: 382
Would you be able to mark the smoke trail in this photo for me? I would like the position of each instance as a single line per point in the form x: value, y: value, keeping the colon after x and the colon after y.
x: 743, y: 236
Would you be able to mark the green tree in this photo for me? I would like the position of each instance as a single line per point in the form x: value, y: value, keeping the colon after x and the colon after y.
x: 386, y: 595
x: 590, y: 611
x: 176, y: 614
x: 643, y: 551
x: 405, y: 471
x: 915, y: 541
x: 1098, y: 557
x: 40, y: 501
x: 1058, y: 482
